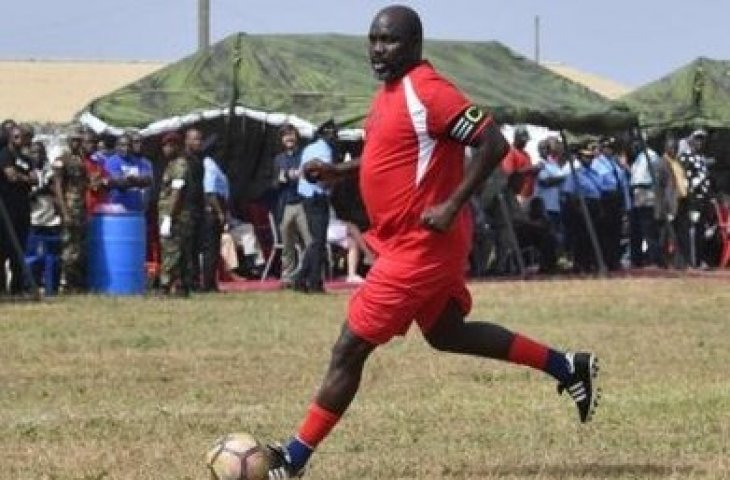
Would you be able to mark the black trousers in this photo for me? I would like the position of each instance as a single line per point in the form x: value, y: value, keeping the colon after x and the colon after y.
x: 644, y: 228
x: 579, y: 239
x: 609, y: 229
x: 317, y: 209
x: 20, y: 222
x: 211, y: 251
x: 681, y: 225
x: 196, y: 251
x: 539, y: 236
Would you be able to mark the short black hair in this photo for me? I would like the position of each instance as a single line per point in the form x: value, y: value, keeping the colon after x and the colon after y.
x: 109, y: 140
x: 287, y: 127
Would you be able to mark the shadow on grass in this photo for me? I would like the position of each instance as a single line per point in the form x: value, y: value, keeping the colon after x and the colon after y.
x: 600, y: 470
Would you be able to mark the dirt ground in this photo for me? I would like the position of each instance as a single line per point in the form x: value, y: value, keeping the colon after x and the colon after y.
x: 55, y: 91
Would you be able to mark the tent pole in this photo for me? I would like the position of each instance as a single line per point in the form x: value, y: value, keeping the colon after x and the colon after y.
x: 228, y: 140
x: 261, y: 147
x: 515, y: 244
x: 602, y: 270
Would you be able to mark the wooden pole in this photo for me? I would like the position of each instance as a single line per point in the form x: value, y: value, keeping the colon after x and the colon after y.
x: 203, y: 24
x: 537, y: 39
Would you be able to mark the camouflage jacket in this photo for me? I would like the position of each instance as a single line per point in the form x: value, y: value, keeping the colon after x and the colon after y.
x: 74, y: 179
x: 174, y: 178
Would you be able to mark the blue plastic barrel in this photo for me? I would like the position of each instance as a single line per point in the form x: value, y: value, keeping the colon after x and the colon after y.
x: 116, y: 253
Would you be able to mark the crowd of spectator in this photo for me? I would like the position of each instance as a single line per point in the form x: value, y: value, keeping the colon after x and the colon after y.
x: 185, y: 210
x: 185, y: 199
x: 606, y: 205
x: 595, y: 205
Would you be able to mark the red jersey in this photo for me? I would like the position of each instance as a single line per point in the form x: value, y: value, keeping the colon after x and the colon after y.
x: 517, y: 160
x: 96, y: 194
x: 413, y: 158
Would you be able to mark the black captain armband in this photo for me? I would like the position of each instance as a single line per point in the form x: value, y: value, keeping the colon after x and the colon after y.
x: 467, y: 123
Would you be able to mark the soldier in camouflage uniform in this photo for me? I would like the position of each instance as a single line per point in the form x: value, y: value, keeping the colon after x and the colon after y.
x: 180, y: 208
x: 70, y: 182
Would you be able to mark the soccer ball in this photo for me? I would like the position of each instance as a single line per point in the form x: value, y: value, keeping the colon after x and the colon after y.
x: 237, y: 456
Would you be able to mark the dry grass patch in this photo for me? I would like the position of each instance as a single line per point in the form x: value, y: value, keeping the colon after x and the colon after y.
x: 97, y: 388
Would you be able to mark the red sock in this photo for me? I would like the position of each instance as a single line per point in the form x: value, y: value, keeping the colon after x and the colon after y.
x: 316, y: 425
x: 528, y: 352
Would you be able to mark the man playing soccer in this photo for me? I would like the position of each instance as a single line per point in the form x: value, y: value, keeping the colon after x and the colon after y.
x: 415, y: 188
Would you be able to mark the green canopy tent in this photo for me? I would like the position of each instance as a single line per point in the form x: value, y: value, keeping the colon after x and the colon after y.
x: 696, y: 95
x: 318, y: 76
x: 306, y: 79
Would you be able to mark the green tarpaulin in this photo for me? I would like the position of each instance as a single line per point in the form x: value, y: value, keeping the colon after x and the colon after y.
x: 696, y: 95
x: 318, y: 76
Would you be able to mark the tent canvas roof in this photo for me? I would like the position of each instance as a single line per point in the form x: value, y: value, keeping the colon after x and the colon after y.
x: 318, y: 76
x: 696, y: 95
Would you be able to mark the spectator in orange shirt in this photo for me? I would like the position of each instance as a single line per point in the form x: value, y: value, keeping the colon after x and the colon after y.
x: 518, y: 163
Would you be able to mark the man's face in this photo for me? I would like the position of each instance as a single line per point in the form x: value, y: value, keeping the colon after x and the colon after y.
x: 289, y: 140
x: 169, y: 150
x: 698, y: 143
x: 136, y: 144
x: 74, y: 144
x: 26, y: 138
x: 555, y: 148
x: 124, y: 146
x: 16, y: 138
x: 36, y: 153
x: 392, y: 49
x: 193, y: 141
x: 88, y: 143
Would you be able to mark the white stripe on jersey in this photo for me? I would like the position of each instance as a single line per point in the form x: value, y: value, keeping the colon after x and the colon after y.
x: 418, y: 114
x: 462, y: 129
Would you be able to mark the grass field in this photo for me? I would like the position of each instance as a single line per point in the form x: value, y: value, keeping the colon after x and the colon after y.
x: 110, y: 388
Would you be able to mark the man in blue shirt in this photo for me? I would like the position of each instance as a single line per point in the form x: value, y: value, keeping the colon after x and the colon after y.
x: 129, y: 176
x: 582, y: 181
x: 550, y: 179
x: 316, y: 206
x: 610, y: 178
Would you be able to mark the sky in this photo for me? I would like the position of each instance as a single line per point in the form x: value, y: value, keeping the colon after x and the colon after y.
x: 630, y: 41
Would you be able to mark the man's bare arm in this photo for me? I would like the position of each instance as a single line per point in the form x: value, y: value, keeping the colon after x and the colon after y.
x: 491, y: 148
x: 319, y: 171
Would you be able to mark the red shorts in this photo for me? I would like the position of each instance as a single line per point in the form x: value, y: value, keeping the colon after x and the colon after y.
x: 395, y: 294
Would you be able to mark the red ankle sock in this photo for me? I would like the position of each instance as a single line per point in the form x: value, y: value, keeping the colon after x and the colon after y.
x: 316, y: 425
x: 528, y: 352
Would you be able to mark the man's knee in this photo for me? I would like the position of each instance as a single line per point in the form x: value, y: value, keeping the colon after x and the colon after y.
x: 442, y: 334
x: 439, y: 341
